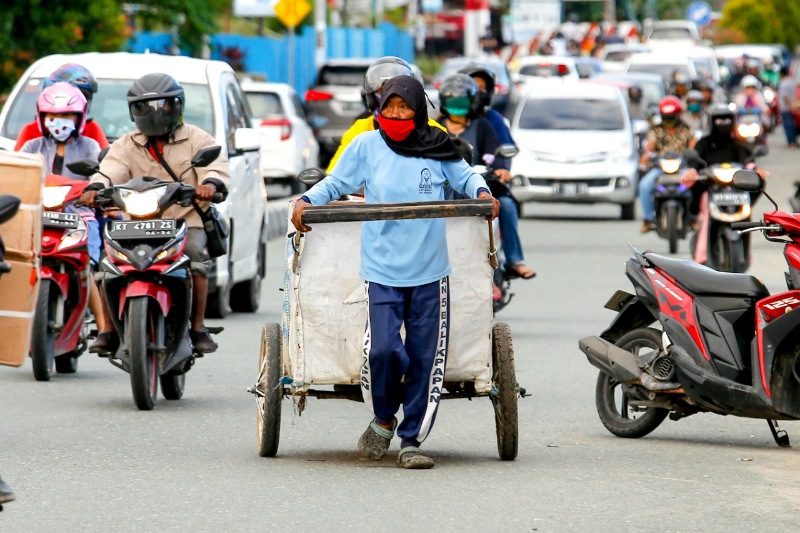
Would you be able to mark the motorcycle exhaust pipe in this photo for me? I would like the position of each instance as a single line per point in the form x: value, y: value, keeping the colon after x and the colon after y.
x: 618, y: 363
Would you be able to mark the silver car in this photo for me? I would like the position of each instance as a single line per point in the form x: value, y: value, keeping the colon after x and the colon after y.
x: 576, y: 146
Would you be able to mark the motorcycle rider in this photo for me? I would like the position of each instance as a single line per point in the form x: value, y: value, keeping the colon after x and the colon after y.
x: 718, y: 147
x: 80, y: 77
x: 750, y: 97
x: 680, y: 85
x: 462, y: 114
x: 638, y: 107
x: 378, y: 73
x: 671, y: 135
x: 696, y: 118
x: 156, y: 104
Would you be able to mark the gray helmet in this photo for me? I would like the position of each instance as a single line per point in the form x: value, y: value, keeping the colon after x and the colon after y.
x: 155, y: 104
x: 379, y: 73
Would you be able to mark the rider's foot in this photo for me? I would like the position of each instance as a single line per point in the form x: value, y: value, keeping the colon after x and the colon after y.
x: 202, y: 341
x: 106, y: 343
x: 694, y: 225
x: 521, y: 270
x: 6, y: 492
x: 648, y: 225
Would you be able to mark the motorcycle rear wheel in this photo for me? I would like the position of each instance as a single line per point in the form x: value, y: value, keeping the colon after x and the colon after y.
x: 615, y: 414
x: 172, y: 386
x: 143, y: 364
x: 43, y: 335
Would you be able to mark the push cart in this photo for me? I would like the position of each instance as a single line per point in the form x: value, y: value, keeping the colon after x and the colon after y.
x: 318, y: 349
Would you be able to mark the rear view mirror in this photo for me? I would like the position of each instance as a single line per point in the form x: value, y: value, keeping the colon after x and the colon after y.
x: 311, y: 176
x: 103, y: 153
x: 747, y: 180
x: 84, y: 167
x: 206, y: 156
x: 760, y: 151
x: 692, y: 156
x: 506, y: 150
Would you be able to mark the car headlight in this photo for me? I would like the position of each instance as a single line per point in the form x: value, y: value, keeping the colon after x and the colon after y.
x: 724, y: 175
x: 53, y: 197
x: 669, y: 166
x: 142, y: 204
x: 622, y: 153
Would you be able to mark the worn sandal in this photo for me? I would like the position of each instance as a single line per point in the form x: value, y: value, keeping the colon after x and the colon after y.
x: 412, y: 458
x: 374, y: 442
x: 521, y: 270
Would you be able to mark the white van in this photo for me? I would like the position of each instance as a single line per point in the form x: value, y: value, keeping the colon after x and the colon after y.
x: 214, y: 102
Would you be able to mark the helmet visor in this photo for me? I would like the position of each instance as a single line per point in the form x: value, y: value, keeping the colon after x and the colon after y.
x: 156, y: 117
x: 377, y: 75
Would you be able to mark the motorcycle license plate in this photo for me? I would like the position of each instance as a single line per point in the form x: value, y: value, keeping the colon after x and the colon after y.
x: 731, y: 198
x: 54, y: 219
x: 143, y: 229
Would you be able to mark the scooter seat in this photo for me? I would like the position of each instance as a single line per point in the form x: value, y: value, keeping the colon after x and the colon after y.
x: 703, y: 280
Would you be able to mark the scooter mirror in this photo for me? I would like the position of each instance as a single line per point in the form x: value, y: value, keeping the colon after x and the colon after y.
x: 692, y: 156
x: 84, y: 167
x: 103, y: 153
x: 507, y: 151
x: 760, y: 151
x: 206, y: 156
x: 747, y: 180
x: 311, y: 176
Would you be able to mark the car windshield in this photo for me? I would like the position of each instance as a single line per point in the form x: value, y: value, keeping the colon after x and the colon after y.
x: 619, y: 55
x: 264, y: 104
x: 352, y: 75
x: 110, y: 108
x: 671, y: 33
x: 664, y: 70
x: 571, y: 114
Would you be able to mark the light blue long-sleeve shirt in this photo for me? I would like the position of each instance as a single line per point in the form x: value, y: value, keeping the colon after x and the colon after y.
x: 397, y: 253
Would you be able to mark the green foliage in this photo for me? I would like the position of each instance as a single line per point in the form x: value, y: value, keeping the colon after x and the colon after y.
x: 194, y: 19
x: 764, y: 21
x: 30, y: 29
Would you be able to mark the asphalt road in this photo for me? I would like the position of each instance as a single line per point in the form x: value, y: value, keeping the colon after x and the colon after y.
x: 82, y: 458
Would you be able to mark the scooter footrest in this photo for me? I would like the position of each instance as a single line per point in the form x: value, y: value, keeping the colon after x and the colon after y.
x: 216, y: 330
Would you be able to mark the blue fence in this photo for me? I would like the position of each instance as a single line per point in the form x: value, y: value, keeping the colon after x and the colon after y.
x: 270, y: 57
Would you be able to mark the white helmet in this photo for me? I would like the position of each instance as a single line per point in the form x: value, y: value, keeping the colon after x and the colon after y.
x: 749, y: 81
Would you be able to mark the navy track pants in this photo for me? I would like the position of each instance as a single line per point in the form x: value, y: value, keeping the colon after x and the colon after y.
x: 425, y: 311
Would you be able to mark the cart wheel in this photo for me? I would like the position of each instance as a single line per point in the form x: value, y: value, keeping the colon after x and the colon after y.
x: 504, y: 392
x: 269, y: 391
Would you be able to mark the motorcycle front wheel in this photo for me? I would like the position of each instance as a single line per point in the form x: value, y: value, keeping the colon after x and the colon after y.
x: 143, y: 363
x: 43, y: 336
x: 674, y: 216
x: 612, y: 397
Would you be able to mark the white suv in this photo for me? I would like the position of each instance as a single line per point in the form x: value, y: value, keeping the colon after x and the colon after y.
x: 214, y: 102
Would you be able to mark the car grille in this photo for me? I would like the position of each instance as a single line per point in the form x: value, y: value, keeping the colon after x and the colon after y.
x: 579, y: 159
x: 549, y: 182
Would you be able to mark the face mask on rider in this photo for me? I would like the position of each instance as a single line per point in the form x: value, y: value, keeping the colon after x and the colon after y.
x: 60, y: 128
x: 397, y: 129
x: 695, y: 108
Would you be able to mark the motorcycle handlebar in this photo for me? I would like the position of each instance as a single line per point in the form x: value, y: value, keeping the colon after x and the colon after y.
x: 218, y: 197
x: 746, y: 225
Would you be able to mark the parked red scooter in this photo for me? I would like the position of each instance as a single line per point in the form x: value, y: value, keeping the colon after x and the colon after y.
x: 722, y: 343
x: 59, y: 327
x: 147, y: 281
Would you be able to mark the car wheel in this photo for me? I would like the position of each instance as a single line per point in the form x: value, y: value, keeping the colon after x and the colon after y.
x: 246, y: 296
x: 628, y: 211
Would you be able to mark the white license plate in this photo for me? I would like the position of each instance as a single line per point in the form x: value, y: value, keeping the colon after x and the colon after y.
x: 731, y: 198
x: 143, y: 229
x: 54, y: 219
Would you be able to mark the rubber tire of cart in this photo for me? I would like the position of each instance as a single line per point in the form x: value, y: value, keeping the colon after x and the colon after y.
x: 504, y: 398
x: 268, y: 406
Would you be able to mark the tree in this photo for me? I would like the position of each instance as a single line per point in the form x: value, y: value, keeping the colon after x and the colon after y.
x: 764, y: 21
x: 194, y: 19
x: 30, y: 29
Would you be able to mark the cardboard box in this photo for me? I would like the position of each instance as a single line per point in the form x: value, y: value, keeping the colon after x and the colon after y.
x: 22, y: 175
x: 22, y: 235
x: 19, y: 290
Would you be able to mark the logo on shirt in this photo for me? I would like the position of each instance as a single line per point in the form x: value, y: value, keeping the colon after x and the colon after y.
x: 425, y: 183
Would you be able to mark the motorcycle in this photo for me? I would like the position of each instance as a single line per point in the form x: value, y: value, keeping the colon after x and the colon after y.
x: 715, y: 243
x: 722, y: 344
x: 773, y: 103
x: 60, y: 331
x: 750, y: 127
x: 148, y: 282
x: 672, y: 199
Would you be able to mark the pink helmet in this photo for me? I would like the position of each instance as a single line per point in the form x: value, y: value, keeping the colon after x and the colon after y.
x: 61, y: 97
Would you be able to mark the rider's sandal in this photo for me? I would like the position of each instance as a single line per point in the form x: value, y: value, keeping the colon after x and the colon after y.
x: 374, y: 442
x: 412, y: 458
x: 202, y: 341
x: 521, y: 270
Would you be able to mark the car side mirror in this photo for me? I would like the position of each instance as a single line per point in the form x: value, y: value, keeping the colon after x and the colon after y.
x: 311, y: 176
x: 247, y: 140
x: 206, y: 156
x: 84, y: 167
x: 747, y: 180
x: 507, y: 151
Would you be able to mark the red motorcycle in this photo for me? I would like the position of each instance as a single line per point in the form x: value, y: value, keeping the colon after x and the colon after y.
x: 724, y: 345
x: 147, y: 281
x: 59, y: 329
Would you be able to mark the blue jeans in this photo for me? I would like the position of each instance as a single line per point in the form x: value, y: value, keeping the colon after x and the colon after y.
x: 509, y: 232
x: 789, y: 127
x: 647, y: 186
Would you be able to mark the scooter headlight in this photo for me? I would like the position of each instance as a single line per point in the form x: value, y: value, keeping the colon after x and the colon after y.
x: 724, y: 175
x: 54, y: 196
x: 71, y: 239
x: 142, y: 204
x: 670, y: 166
x: 169, y: 252
x: 116, y: 254
x: 748, y: 130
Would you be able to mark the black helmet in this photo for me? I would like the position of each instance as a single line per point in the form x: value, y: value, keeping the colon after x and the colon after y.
x: 155, y: 103
x: 379, y: 73
x: 476, y: 70
x: 721, y: 119
x: 459, y: 95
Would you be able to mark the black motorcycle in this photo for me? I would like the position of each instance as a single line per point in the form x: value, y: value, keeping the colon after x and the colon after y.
x: 671, y: 200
